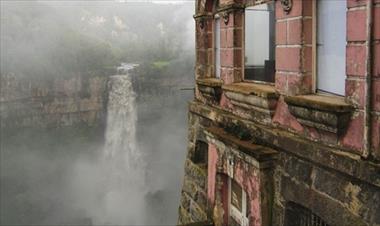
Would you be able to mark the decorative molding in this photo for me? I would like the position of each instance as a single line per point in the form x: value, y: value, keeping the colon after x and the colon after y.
x: 324, y: 113
x: 287, y: 5
x: 202, y: 23
x: 210, y: 89
x: 204, y: 15
x: 226, y: 17
x: 252, y: 101
x: 230, y: 8
x: 202, y: 19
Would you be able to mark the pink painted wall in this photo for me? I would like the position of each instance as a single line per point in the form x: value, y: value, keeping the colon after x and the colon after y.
x: 248, y: 178
x: 294, y: 64
x: 244, y: 174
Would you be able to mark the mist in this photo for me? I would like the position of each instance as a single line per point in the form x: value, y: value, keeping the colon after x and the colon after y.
x: 93, y: 114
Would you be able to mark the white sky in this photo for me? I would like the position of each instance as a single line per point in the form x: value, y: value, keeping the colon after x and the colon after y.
x: 158, y: 1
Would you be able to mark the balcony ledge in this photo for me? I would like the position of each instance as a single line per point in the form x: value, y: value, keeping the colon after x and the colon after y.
x: 327, y: 113
x: 211, y: 82
x: 210, y: 88
x: 260, y: 90
x: 258, y: 152
x: 320, y: 102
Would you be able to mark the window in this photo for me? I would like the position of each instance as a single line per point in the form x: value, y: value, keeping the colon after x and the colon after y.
x: 237, y: 204
x: 297, y: 215
x: 201, y: 153
x: 260, y: 42
x: 331, y: 46
x: 217, y: 46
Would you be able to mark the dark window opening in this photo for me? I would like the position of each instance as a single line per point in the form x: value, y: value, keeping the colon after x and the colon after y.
x: 297, y: 215
x: 260, y: 25
x: 201, y: 153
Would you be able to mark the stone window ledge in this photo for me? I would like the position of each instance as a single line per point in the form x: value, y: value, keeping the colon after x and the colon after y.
x: 203, y: 15
x: 257, y: 101
x: 211, y: 82
x: 260, y: 90
x: 230, y: 7
x: 210, y: 88
x: 327, y: 113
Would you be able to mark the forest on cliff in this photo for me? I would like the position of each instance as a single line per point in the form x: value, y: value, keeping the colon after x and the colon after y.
x: 50, y: 38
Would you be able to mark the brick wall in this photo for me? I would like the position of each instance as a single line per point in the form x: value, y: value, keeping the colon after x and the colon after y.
x: 231, y: 32
x: 293, y: 51
x: 294, y: 62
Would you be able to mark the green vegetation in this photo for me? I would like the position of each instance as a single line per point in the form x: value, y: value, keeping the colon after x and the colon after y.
x: 45, y: 40
x: 161, y: 64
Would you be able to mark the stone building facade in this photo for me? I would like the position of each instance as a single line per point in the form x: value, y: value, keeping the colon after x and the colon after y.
x: 284, y: 129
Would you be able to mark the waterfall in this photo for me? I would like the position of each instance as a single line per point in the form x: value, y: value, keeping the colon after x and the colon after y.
x: 125, y: 179
x: 120, y: 137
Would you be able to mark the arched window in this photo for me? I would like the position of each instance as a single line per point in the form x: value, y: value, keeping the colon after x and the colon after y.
x: 297, y: 215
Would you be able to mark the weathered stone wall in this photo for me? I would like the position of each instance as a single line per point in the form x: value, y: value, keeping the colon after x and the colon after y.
x: 249, y: 165
x: 193, y: 204
x: 327, y: 145
x: 53, y: 103
x: 335, y: 197
x: 340, y: 188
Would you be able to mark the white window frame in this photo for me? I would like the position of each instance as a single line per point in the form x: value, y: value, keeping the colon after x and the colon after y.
x: 272, y: 53
x: 330, y: 86
x: 217, y: 66
x: 240, y: 217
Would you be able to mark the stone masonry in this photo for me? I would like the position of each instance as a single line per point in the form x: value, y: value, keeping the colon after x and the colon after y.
x: 58, y: 102
x: 288, y: 154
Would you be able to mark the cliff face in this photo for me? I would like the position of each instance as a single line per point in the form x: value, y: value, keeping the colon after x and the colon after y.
x: 57, y: 102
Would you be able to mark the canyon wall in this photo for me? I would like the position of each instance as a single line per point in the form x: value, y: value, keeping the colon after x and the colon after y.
x: 55, y: 102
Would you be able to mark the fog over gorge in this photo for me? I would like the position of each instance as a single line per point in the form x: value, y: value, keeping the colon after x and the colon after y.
x: 93, y: 111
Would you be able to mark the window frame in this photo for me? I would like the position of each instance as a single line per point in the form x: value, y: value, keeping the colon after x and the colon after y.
x: 233, y: 211
x: 200, y: 155
x: 244, y: 41
x: 315, y: 72
x: 217, y: 70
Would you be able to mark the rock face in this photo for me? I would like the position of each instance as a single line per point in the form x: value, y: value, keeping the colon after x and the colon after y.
x: 57, y: 102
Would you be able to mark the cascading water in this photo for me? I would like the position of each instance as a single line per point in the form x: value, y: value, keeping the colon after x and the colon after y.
x: 125, y: 182
x: 120, y: 137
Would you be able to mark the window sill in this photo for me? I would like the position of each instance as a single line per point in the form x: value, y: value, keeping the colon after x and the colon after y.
x: 260, y: 90
x: 211, y: 82
x: 202, y: 14
x: 210, y: 89
x: 255, y: 101
x: 326, y: 113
